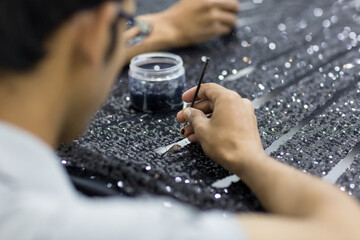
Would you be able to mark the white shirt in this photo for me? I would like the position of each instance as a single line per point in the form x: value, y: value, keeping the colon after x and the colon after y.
x: 38, y: 201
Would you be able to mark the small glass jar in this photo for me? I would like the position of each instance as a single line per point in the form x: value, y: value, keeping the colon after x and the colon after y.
x: 157, y: 82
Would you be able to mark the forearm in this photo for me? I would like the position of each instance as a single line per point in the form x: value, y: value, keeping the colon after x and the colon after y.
x: 284, y: 190
x: 304, y: 207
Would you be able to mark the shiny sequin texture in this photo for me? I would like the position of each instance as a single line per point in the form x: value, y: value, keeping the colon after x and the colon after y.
x: 298, y: 61
x: 350, y: 180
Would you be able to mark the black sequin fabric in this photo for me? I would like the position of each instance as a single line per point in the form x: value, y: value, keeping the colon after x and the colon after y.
x: 301, y: 63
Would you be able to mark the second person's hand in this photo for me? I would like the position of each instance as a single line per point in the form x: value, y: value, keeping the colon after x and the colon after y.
x: 198, y: 21
x: 185, y: 23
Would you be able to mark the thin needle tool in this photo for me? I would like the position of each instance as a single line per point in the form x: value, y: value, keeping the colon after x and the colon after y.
x: 176, y: 147
x: 199, y: 84
x: 200, y: 81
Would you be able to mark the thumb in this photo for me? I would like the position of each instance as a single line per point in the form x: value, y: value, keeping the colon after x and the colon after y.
x: 196, y: 117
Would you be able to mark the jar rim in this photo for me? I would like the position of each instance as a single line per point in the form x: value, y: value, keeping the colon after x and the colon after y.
x: 136, y: 61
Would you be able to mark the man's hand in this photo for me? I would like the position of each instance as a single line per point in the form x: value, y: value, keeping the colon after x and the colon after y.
x: 185, y: 23
x: 230, y: 136
x: 197, y: 21
x: 302, y: 206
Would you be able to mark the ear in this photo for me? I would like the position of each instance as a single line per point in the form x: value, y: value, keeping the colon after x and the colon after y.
x: 93, y: 32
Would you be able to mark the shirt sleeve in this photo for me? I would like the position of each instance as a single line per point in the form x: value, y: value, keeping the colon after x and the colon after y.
x: 41, y: 217
x: 38, y: 202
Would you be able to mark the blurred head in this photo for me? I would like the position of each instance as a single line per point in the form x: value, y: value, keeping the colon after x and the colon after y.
x: 77, y: 44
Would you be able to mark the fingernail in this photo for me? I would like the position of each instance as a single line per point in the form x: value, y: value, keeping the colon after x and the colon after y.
x: 187, y: 113
x: 182, y: 131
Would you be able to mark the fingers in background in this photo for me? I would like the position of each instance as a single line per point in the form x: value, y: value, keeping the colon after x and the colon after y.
x: 227, y: 18
x: 227, y: 5
x: 221, y: 29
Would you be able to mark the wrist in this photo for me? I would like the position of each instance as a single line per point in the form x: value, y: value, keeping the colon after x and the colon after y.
x: 242, y: 161
x: 163, y: 35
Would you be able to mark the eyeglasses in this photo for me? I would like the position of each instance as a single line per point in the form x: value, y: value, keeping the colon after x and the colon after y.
x: 144, y: 27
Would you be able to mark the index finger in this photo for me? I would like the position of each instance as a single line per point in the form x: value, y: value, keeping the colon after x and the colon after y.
x: 208, y: 91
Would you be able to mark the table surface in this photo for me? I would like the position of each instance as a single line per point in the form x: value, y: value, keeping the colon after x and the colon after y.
x: 298, y: 61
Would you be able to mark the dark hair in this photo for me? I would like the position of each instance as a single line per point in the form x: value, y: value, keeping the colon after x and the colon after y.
x: 26, y: 24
